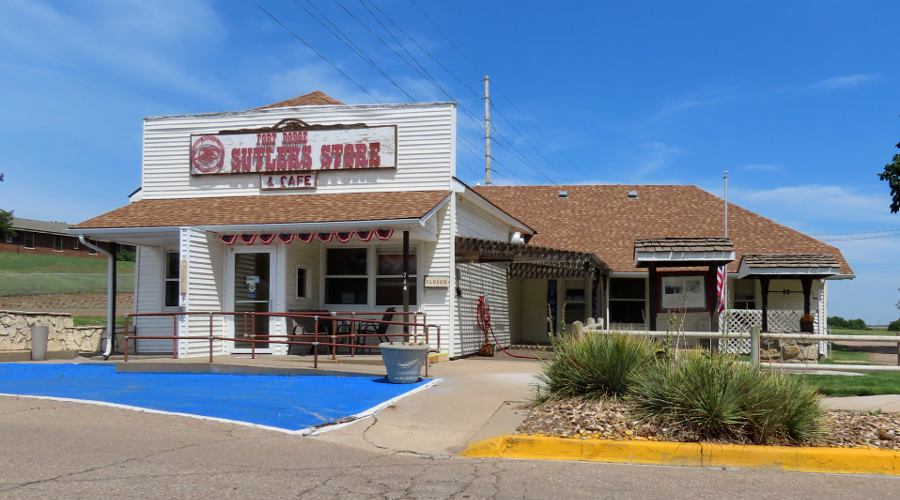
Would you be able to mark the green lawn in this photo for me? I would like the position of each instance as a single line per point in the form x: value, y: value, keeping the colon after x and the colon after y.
x: 869, y: 384
x: 96, y: 321
x: 838, y: 331
x: 27, y: 273
x: 847, y: 355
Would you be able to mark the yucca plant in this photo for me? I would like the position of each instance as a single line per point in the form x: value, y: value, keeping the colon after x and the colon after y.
x: 720, y: 398
x: 594, y: 365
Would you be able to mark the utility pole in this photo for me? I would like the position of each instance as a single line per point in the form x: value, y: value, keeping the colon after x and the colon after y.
x: 487, y: 131
x: 725, y: 181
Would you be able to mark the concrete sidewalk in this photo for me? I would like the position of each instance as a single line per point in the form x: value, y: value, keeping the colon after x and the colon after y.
x: 476, y: 398
x: 887, y: 403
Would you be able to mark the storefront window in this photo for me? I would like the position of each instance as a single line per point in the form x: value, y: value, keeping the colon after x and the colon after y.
x: 389, y: 279
x: 172, y: 279
x: 346, y: 278
x: 627, y: 300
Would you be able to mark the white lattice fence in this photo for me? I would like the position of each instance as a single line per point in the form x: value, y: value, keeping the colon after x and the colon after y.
x: 742, y: 320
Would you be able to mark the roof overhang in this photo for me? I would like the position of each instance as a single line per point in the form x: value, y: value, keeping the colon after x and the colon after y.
x: 782, y: 265
x: 683, y: 251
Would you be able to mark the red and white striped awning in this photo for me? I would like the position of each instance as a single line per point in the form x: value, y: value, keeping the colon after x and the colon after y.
x: 268, y: 239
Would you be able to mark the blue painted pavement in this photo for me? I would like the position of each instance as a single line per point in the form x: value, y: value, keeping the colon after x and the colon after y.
x: 289, y: 402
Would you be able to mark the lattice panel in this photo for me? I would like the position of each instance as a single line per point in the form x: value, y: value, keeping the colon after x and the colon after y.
x: 743, y: 320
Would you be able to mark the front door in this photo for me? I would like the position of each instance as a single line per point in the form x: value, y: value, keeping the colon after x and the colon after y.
x: 251, y: 294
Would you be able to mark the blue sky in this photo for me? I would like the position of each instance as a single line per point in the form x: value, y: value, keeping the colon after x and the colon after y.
x: 800, y: 101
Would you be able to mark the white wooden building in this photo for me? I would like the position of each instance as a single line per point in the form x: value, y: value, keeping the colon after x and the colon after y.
x: 263, y: 211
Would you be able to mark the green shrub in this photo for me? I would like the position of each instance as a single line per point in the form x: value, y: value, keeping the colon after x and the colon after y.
x: 894, y: 326
x: 718, y: 398
x: 595, y: 365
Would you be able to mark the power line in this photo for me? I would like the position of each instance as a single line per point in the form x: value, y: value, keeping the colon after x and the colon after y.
x: 857, y: 232
x: 346, y: 40
x: 315, y: 51
x: 862, y: 238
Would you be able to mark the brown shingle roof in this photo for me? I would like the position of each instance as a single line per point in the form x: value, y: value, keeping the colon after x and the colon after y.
x: 314, y: 98
x: 269, y: 209
x: 797, y: 260
x: 602, y: 219
x: 674, y: 244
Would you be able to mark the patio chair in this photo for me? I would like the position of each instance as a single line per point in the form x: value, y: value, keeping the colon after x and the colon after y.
x: 379, y: 328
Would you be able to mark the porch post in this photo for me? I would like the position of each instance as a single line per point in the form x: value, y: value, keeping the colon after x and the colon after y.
x: 589, y: 296
x: 654, y: 297
x: 764, y: 285
x: 806, y: 283
x: 406, y: 280
x: 711, y: 297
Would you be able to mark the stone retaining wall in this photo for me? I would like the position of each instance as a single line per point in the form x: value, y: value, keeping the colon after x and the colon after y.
x: 15, y: 332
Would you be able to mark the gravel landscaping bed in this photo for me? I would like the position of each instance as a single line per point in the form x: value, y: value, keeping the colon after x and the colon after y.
x: 612, y: 419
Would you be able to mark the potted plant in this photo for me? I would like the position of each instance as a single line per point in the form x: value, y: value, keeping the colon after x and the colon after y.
x: 806, y: 323
x: 403, y: 360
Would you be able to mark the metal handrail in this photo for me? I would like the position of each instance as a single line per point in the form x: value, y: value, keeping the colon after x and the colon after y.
x: 252, y: 339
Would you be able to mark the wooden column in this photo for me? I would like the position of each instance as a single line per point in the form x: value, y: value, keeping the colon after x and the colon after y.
x: 711, y: 297
x: 406, y: 279
x: 764, y: 285
x: 806, y: 283
x: 588, y: 296
x: 653, y: 299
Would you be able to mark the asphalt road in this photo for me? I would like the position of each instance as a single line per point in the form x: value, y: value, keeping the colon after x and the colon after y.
x: 70, y: 450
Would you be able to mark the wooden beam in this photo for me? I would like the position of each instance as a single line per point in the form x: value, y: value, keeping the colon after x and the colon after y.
x: 654, y: 297
x: 764, y: 285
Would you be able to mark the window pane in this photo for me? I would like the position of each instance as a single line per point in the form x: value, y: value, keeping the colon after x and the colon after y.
x: 626, y: 311
x: 389, y: 291
x: 172, y: 265
x: 393, y: 264
x: 29, y: 240
x: 744, y: 289
x: 346, y: 290
x: 626, y: 288
x: 57, y: 242
x: 301, y: 282
x: 346, y: 261
x: 171, y: 293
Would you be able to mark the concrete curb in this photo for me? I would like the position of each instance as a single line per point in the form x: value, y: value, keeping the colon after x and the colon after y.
x: 792, y: 458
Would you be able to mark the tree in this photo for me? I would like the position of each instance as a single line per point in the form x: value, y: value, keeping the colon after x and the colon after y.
x: 6, y: 228
x: 891, y: 174
x: 894, y: 326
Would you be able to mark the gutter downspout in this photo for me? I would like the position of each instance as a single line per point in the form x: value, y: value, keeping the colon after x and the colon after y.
x: 110, y: 292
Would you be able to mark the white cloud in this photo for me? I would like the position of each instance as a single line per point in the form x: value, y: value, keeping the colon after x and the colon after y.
x: 656, y: 155
x: 844, y: 81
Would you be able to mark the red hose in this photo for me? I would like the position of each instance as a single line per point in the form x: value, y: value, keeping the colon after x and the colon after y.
x: 483, y: 316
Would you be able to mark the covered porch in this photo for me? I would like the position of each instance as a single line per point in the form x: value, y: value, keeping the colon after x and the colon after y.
x: 530, y: 290
x: 356, y: 261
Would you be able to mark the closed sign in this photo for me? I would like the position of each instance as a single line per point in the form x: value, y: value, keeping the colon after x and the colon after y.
x: 437, y: 281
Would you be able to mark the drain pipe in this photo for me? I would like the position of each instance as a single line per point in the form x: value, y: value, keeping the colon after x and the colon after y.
x: 110, y: 291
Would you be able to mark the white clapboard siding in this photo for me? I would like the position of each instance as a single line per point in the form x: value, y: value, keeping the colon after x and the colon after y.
x: 792, y: 301
x: 425, y: 150
x: 475, y: 222
x: 305, y: 255
x: 149, y: 293
x: 436, y: 260
x: 205, y: 291
x: 476, y: 279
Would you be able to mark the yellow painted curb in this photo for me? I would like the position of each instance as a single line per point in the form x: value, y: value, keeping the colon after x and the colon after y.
x: 794, y: 458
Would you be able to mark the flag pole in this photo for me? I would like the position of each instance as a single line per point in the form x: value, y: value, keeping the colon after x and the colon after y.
x: 724, y: 294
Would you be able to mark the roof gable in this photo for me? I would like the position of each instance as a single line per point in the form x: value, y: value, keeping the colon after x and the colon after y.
x: 605, y: 220
x: 314, y: 98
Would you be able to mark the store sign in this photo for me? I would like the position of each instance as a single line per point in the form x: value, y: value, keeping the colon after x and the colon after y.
x: 289, y: 181
x: 437, y: 281
x: 307, y: 150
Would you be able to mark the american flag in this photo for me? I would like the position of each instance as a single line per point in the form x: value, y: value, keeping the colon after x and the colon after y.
x: 722, y: 288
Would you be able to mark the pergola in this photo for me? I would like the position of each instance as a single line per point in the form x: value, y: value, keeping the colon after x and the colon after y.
x: 805, y: 267
x: 535, y: 262
x: 688, y: 252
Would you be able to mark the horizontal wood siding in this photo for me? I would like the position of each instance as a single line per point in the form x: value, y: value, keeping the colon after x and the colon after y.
x: 425, y: 151
x: 205, y: 291
x: 475, y: 222
x: 148, y: 289
x: 437, y: 258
